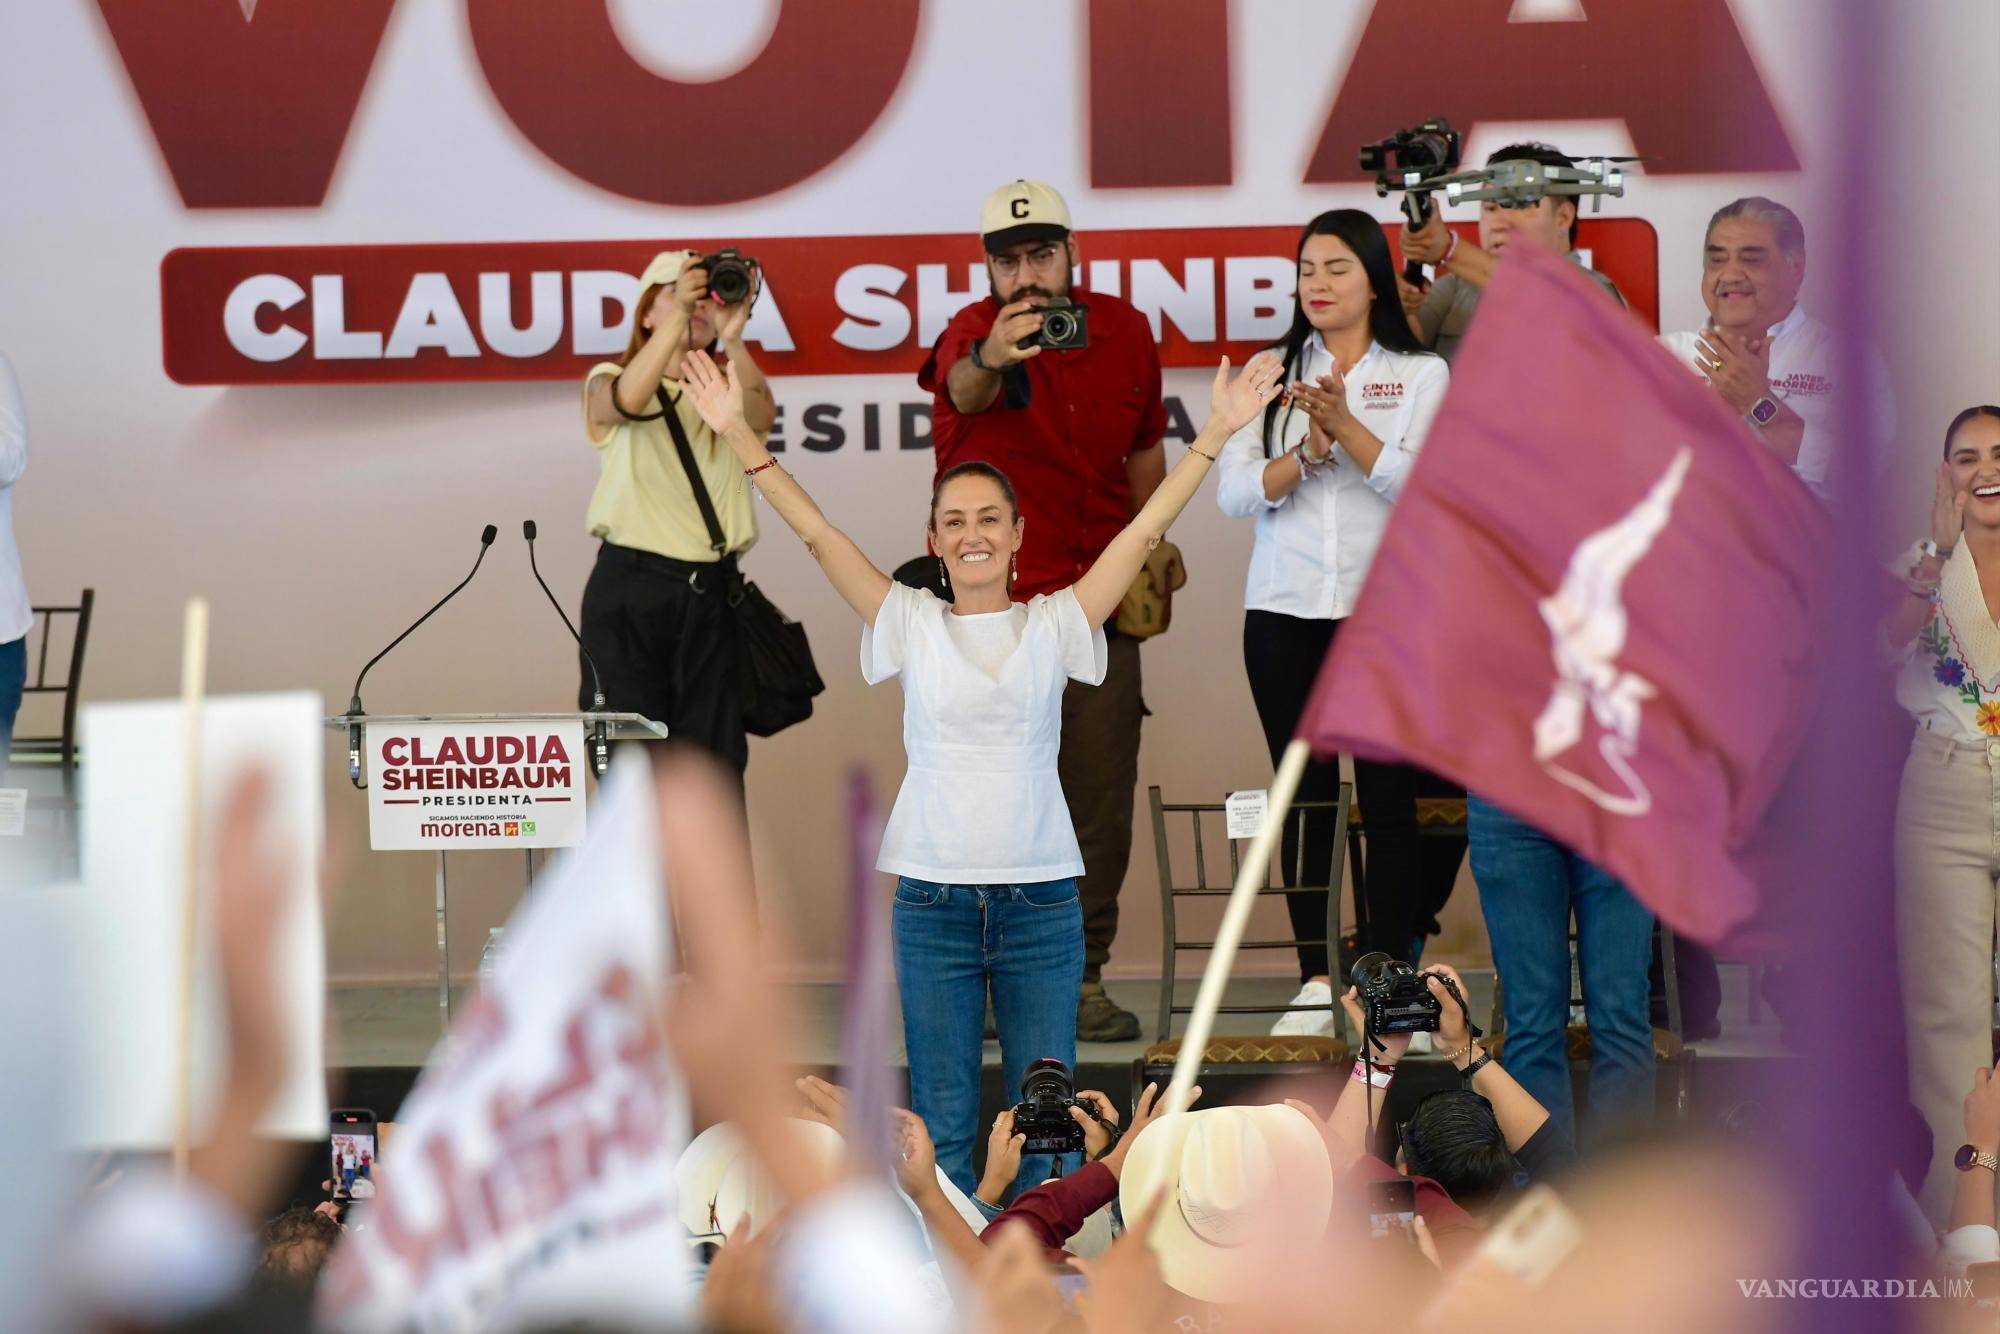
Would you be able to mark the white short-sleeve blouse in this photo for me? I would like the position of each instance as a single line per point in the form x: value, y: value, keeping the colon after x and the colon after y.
x: 981, y: 802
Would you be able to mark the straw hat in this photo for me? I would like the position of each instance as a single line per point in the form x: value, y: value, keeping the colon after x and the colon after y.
x: 718, y: 1181
x: 1239, y: 1188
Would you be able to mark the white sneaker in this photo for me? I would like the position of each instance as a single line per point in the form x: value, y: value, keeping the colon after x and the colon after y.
x: 1299, y: 1023
x: 1421, y: 1044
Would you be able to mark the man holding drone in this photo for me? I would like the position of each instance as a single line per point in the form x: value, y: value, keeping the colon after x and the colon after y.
x: 1529, y: 884
x: 1442, y: 313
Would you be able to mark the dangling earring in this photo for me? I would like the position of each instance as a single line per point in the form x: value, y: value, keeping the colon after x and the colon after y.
x: 944, y: 584
x: 1013, y: 567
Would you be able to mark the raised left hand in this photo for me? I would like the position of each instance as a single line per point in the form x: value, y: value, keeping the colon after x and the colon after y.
x: 1144, y: 1112
x: 1738, y: 365
x: 737, y: 317
x: 717, y: 393
x: 1233, y: 402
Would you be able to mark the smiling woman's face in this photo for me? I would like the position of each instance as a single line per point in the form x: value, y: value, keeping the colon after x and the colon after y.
x: 975, y: 530
x: 1974, y: 456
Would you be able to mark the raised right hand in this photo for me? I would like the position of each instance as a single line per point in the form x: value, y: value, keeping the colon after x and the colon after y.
x: 1011, y: 326
x: 1426, y: 244
x: 691, y: 286
x: 1947, y: 510
x: 717, y: 393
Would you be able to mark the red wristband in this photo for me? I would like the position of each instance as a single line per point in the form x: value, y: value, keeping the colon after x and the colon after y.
x: 1449, y: 251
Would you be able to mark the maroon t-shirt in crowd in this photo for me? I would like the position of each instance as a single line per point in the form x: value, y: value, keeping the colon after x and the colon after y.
x: 1088, y: 411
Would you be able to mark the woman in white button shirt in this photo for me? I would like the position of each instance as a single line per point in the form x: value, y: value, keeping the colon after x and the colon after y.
x: 980, y: 838
x: 1948, y: 811
x: 1319, y: 472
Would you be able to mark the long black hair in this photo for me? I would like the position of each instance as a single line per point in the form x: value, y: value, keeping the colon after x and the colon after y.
x: 1386, y: 321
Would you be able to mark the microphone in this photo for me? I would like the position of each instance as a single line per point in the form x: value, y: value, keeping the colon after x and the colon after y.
x: 600, y: 751
x: 354, y: 709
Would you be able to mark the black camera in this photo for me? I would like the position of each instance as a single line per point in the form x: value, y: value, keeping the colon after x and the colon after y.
x: 1047, y: 1094
x: 1064, y: 324
x: 728, y: 275
x: 1429, y: 149
x: 1394, y: 997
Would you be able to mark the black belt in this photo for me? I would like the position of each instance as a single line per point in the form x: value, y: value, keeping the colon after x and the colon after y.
x: 701, y: 576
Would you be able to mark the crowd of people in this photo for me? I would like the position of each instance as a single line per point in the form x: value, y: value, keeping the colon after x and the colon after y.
x: 1011, y: 833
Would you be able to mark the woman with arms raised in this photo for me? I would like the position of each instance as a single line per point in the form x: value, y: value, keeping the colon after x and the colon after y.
x: 980, y: 839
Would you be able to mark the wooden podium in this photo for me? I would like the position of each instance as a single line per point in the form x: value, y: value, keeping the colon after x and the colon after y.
x: 597, y: 728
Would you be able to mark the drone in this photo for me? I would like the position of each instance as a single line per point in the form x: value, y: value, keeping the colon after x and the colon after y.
x: 1520, y: 183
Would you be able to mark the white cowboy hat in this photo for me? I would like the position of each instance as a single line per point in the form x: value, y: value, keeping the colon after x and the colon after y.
x: 718, y: 1181
x: 1239, y: 1188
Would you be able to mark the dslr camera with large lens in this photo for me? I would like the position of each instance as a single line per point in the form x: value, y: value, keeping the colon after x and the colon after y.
x: 1394, y: 997
x: 1047, y: 1094
x: 728, y: 275
x: 1064, y: 325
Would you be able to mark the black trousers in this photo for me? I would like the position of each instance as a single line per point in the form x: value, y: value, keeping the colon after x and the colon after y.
x: 1407, y: 882
x: 664, y: 638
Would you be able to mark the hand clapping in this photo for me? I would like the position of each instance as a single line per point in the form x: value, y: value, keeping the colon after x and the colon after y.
x: 1738, y: 365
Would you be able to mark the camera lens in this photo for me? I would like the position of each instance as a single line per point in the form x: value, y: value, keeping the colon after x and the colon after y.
x: 1371, y: 970
x: 1047, y: 1080
x: 729, y: 281
x: 1059, y: 326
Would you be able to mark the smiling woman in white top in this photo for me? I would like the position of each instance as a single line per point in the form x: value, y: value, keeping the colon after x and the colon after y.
x: 980, y: 839
x: 1947, y: 634
x: 1319, y: 473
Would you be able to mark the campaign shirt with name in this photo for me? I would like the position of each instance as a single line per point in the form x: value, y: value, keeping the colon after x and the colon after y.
x: 1805, y: 356
x: 1314, y: 545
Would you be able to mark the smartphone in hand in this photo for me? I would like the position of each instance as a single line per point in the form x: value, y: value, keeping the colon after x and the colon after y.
x: 1392, y: 1209
x: 351, y: 1154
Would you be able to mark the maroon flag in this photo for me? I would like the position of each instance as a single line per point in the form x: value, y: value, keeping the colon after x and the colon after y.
x: 1595, y: 604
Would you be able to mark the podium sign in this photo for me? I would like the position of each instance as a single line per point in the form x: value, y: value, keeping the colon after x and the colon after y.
x: 462, y: 786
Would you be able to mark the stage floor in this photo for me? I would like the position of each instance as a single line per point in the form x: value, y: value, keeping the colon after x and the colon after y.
x: 390, y: 1027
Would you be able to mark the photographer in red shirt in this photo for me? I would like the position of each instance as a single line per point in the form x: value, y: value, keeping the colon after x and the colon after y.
x: 1077, y: 427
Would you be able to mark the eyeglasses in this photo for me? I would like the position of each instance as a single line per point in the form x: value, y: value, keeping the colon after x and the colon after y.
x: 1040, y: 258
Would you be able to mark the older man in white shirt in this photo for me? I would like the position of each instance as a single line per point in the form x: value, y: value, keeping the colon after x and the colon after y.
x: 1769, y: 360
x: 15, y: 614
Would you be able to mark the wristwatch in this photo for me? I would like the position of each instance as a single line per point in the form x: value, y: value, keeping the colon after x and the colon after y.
x: 1934, y: 551
x: 1762, y: 412
x: 980, y: 361
x: 1969, y: 1157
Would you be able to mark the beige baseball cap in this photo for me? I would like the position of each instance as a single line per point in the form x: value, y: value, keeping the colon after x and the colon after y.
x: 1022, y: 211
x: 666, y: 267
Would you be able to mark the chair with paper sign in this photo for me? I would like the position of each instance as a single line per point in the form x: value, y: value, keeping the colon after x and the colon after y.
x: 1252, y: 1055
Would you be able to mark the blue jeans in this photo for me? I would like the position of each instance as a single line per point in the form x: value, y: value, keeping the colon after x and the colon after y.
x: 1528, y: 886
x: 951, y: 942
x: 13, y: 676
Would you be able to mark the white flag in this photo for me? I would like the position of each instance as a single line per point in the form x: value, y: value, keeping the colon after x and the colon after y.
x: 531, y: 1172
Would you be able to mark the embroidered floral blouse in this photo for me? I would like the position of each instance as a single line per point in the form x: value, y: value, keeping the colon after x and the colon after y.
x: 1950, y: 675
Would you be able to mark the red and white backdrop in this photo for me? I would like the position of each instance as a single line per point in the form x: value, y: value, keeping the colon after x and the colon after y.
x: 299, y: 293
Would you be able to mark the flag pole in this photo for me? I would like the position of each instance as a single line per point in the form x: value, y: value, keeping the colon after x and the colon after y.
x: 1252, y: 876
x: 194, y: 673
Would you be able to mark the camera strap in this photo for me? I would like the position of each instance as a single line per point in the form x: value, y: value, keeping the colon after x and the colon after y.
x: 716, y: 542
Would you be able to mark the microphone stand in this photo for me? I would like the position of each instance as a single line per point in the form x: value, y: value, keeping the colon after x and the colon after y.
x: 355, y: 713
x: 600, y: 745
